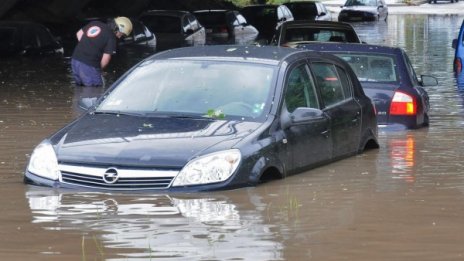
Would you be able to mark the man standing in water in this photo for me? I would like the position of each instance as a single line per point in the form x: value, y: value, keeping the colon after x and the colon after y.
x: 97, y: 42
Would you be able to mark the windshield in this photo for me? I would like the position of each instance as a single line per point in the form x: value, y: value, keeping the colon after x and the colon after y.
x: 202, y: 88
x: 372, y: 68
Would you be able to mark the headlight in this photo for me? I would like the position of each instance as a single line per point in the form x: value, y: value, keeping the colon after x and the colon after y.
x: 43, y: 162
x: 211, y: 168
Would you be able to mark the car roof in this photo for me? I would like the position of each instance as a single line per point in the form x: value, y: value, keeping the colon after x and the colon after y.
x: 302, y: 2
x: 270, y: 55
x: 212, y: 11
x: 351, y: 47
x: 259, y: 6
x: 178, y: 13
x: 20, y: 23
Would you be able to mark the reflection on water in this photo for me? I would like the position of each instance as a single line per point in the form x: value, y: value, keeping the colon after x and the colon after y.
x: 208, y: 227
x: 402, y: 152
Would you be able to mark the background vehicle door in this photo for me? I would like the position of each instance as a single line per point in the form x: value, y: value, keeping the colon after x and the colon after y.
x: 344, y: 111
x: 309, y: 142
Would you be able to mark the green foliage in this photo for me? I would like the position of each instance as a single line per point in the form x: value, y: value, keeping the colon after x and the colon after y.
x: 217, y: 114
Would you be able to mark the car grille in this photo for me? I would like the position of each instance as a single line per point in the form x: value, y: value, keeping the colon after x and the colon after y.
x: 113, y: 178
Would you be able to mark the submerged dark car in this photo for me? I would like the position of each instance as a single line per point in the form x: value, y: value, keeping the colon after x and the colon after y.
x: 140, y: 36
x: 293, y: 33
x: 266, y: 18
x: 27, y: 38
x: 226, y: 27
x: 389, y: 79
x: 309, y: 10
x: 209, y: 118
x: 363, y: 10
x: 174, y: 28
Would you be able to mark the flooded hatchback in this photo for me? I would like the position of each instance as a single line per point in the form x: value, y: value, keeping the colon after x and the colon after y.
x: 207, y: 118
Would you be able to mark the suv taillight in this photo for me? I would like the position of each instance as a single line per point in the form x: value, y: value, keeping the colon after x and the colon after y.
x: 457, y: 65
x: 403, y: 104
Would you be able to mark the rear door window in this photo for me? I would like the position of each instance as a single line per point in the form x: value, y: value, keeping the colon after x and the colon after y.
x: 329, y: 83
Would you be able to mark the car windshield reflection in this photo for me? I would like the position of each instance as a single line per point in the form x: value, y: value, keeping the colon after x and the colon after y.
x: 184, y: 88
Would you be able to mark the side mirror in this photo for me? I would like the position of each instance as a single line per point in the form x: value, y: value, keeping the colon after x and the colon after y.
x: 87, y: 103
x: 300, y: 115
x: 428, y: 80
x: 455, y: 43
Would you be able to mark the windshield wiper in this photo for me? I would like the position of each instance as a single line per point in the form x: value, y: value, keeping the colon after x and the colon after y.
x: 117, y: 113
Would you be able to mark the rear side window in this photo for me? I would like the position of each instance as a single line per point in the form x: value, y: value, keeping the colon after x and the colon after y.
x: 193, y: 22
x: 330, y: 83
x: 186, y: 24
x: 300, y: 90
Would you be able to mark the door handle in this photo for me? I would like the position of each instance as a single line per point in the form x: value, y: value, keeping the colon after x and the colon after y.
x: 325, y: 133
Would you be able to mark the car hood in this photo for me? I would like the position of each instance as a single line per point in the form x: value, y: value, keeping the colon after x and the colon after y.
x: 146, y: 141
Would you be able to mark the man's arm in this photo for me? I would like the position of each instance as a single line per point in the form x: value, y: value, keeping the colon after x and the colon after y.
x: 79, y: 34
x: 105, y: 60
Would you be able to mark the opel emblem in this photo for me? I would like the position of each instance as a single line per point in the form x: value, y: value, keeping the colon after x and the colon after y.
x: 110, y: 176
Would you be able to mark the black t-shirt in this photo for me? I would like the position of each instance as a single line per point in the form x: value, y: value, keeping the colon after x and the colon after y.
x: 96, y: 40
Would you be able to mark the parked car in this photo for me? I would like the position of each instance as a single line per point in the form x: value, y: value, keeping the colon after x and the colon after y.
x: 363, y: 10
x: 293, y: 33
x: 140, y: 36
x: 27, y: 38
x: 458, y: 45
x: 266, y: 18
x: 209, y: 118
x: 389, y: 79
x: 226, y: 27
x: 435, y: 1
x: 173, y: 28
x: 309, y: 10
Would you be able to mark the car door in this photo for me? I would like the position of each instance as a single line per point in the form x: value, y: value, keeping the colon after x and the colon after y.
x: 243, y: 32
x: 198, y: 32
x: 308, y: 142
x: 336, y: 93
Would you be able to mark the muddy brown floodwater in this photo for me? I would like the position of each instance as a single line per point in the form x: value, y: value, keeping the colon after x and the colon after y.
x: 401, y: 202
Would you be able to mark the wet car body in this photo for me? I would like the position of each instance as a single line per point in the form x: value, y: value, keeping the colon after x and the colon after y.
x: 266, y: 18
x: 27, y: 38
x: 363, y: 10
x: 174, y: 28
x: 389, y: 79
x: 264, y: 127
x: 309, y: 10
x: 293, y: 33
x: 458, y: 46
x: 226, y: 27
